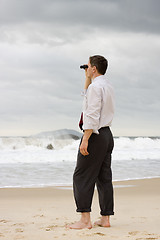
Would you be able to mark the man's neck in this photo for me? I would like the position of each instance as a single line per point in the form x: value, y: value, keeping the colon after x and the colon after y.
x: 96, y: 75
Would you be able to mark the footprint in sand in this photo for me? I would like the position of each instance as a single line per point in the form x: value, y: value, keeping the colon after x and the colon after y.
x: 146, y: 238
x: 19, y: 230
x: 48, y: 229
x: 39, y: 216
x: 100, y: 234
x: 91, y: 234
x: 52, y: 227
x: 3, y: 221
x: 18, y: 224
x: 133, y: 233
x: 152, y: 236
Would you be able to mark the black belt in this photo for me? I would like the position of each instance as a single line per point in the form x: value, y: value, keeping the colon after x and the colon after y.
x: 103, y: 127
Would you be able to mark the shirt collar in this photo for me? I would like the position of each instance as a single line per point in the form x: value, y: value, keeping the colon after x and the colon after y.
x: 98, y: 78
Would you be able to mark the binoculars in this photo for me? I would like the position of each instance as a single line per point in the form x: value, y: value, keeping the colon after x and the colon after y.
x: 84, y: 66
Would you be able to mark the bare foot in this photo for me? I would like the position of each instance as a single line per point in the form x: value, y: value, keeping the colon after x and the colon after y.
x: 102, y: 223
x: 80, y: 225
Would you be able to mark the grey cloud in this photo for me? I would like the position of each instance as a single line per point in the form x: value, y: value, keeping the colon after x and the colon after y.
x: 109, y: 15
x: 37, y: 84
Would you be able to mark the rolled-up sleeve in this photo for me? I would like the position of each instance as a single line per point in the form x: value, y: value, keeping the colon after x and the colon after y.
x: 92, y: 108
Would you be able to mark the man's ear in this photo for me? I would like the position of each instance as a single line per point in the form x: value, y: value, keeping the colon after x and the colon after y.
x: 94, y: 69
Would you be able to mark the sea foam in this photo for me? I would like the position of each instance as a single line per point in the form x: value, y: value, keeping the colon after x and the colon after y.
x: 23, y: 149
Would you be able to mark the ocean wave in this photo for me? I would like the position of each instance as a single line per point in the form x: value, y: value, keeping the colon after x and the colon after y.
x: 23, y: 149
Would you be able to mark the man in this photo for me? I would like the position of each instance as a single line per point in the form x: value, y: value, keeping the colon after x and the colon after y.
x: 94, y: 155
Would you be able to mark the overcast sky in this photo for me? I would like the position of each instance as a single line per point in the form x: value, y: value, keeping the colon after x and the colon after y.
x: 42, y: 44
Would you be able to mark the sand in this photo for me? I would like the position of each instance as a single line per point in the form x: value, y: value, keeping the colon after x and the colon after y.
x: 42, y: 213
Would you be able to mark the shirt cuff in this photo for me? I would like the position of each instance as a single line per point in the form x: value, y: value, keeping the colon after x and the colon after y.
x: 83, y: 93
x: 94, y: 130
x: 90, y: 126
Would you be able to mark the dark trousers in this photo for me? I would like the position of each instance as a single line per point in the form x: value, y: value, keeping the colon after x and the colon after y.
x: 92, y: 169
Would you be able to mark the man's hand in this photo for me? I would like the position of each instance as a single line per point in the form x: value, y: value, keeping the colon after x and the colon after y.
x: 84, y: 143
x: 87, y: 80
x: 83, y: 147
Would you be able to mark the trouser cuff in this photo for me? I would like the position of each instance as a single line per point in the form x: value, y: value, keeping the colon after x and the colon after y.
x: 107, y: 213
x: 83, y: 210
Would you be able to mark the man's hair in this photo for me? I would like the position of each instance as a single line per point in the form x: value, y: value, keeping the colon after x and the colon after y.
x: 100, y: 62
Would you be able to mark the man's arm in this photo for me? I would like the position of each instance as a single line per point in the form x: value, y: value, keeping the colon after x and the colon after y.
x: 84, y: 143
x: 91, y: 116
x: 88, y: 132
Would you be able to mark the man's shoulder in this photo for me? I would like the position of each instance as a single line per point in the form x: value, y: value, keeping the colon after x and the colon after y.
x: 94, y: 89
x: 93, y: 86
x: 99, y: 84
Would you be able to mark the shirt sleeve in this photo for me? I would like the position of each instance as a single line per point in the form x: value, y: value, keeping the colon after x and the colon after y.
x: 92, y: 108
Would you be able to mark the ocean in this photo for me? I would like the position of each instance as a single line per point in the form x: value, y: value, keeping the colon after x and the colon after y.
x: 27, y: 162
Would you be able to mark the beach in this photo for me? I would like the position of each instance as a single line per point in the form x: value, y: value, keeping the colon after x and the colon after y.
x: 42, y: 213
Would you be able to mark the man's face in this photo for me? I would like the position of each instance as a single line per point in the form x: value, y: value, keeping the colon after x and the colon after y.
x: 90, y: 70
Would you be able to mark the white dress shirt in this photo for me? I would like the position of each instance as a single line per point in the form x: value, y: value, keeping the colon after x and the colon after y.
x: 98, y: 105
